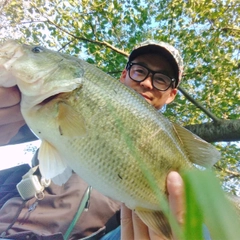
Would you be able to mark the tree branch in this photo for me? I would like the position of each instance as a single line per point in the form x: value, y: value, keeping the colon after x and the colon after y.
x: 234, y: 31
x: 3, y: 5
x: 222, y: 130
x: 102, y: 43
x: 232, y: 173
x: 199, y: 105
x: 59, y: 50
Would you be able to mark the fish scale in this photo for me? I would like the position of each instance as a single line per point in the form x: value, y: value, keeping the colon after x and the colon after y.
x: 107, y: 133
x: 113, y: 140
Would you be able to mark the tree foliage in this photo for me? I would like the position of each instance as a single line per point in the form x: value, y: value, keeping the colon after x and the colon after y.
x: 104, y: 32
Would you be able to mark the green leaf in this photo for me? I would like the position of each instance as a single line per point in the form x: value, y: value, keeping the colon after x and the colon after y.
x: 218, y: 214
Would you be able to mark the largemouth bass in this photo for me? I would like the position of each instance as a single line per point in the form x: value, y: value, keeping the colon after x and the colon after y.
x: 93, y: 124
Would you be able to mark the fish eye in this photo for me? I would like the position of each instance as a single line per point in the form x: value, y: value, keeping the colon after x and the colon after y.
x: 37, y: 49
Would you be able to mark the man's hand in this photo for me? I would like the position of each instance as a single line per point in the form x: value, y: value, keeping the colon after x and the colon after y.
x: 132, y: 227
x: 11, y: 119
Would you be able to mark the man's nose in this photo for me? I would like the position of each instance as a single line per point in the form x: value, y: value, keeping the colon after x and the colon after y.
x: 147, y: 83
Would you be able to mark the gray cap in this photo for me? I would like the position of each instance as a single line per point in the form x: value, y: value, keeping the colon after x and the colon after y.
x: 164, y: 49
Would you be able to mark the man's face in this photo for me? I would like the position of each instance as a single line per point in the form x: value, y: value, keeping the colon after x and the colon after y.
x: 155, y: 97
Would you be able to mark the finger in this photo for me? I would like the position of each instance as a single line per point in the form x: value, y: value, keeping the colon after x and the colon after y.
x: 10, y: 115
x: 126, y: 223
x: 8, y: 131
x: 139, y: 228
x: 9, y: 96
x: 175, y: 187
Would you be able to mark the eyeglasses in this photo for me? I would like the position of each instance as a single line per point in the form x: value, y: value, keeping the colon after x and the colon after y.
x: 139, y: 73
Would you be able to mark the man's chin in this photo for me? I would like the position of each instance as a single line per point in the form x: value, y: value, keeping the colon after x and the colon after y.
x: 148, y: 100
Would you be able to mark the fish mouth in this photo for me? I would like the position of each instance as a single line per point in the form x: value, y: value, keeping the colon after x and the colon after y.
x: 49, y: 99
x: 56, y: 97
x: 29, y: 102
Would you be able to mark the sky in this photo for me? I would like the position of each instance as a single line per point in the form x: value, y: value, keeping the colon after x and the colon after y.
x: 14, y: 155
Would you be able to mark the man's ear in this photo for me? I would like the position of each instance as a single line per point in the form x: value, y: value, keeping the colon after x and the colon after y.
x: 123, y: 76
x: 172, y: 95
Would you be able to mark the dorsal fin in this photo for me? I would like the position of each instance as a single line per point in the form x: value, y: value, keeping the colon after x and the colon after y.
x: 200, y: 152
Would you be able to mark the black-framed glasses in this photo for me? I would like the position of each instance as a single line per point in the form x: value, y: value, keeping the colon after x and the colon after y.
x: 139, y: 73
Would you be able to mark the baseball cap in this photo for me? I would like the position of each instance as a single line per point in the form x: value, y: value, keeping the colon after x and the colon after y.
x: 164, y: 49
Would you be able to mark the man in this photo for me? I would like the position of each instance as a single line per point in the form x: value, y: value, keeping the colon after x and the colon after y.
x: 154, y: 70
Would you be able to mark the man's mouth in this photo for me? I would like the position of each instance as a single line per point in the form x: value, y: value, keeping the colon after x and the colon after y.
x: 145, y: 96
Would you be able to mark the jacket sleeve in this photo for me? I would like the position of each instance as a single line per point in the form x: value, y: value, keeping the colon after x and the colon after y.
x: 24, y: 135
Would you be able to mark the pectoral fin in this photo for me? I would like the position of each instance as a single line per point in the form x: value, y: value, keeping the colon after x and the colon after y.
x: 63, y: 177
x: 199, y: 151
x: 51, y: 163
x: 156, y: 221
x: 71, y: 123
